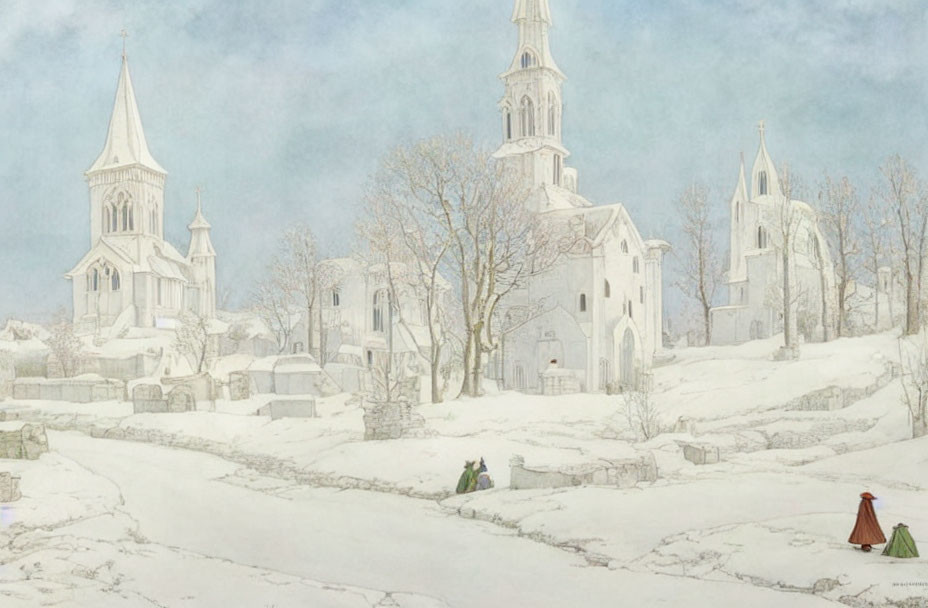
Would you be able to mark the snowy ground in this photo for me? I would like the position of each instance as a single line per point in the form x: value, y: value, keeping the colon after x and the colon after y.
x: 304, y: 506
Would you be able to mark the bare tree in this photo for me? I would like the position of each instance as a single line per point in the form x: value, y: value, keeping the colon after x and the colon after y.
x: 400, y: 231
x: 298, y: 271
x: 192, y: 338
x: 272, y: 303
x: 64, y: 345
x: 641, y: 414
x: 699, y: 257
x: 838, y: 207
x: 876, y: 244
x: 787, y: 220
x: 907, y: 200
x: 913, y: 357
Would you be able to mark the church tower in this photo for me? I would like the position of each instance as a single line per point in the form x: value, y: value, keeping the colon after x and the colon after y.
x: 202, y: 259
x: 532, y: 104
x: 126, y: 182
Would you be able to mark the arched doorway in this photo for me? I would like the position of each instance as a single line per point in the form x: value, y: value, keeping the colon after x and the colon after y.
x: 518, y: 377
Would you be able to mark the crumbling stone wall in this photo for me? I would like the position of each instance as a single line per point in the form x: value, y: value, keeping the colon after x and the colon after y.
x: 391, y: 420
x: 148, y: 399
x: 621, y: 473
x: 22, y: 440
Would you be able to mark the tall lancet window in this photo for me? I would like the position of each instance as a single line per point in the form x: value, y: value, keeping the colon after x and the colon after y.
x: 114, y: 281
x: 131, y: 218
x: 762, y: 183
x: 93, y: 280
x: 508, y: 125
x: 552, y: 114
x: 528, y: 60
x: 106, y: 219
x: 527, y: 117
x: 380, y: 299
x: 557, y: 169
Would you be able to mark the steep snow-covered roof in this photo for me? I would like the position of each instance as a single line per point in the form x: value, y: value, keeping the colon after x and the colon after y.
x: 125, y: 140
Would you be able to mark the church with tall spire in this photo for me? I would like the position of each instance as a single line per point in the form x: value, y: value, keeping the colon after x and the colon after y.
x: 602, y: 323
x: 131, y: 276
x: 758, y: 217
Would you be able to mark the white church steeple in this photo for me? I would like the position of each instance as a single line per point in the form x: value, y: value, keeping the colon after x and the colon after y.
x: 532, y: 106
x: 202, y: 259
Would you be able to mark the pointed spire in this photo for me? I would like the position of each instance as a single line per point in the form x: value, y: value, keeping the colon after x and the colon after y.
x: 199, y: 222
x: 533, y: 17
x: 532, y: 10
x: 764, y: 179
x: 125, y: 140
x: 741, y: 190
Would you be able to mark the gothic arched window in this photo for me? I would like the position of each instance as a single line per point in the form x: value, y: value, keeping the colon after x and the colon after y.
x: 114, y: 281
x: 624, y: 246
x: 528, y: 60
x: 336, y: 298
x: 641, y: 294
x: 762, y: 183
x: 582, y: 302
x: 761, y: 238
x: 114, y: 218
x: 93, y: 280
x: 131, y: 218
x: 557, y: 170
x: 378, y: 310
x: 527, y: 117
x: 607, y: 290
x: 508, y: 124
x: 106, y: 219
x: 636, y: 267
x: 552, y: 114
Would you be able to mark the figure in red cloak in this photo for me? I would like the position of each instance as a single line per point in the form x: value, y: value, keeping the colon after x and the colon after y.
x: 867, y: 530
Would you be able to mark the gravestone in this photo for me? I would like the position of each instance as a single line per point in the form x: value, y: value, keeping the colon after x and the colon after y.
x: 148, y: 399
x: 181, y: 399
x: 9, y: 488
x: 239, y: 386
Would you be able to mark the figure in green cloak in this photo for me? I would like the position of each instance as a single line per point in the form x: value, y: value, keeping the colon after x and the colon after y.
x: 468, y: 480
x: 900, y: 543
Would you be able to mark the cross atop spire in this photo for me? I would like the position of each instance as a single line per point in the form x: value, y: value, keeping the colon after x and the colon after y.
x: 198, y: 190
x: 762, y: 128
x: 124, y: 33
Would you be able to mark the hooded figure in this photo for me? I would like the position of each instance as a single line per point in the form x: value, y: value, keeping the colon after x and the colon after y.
x: 484, y: 482
x: 467, y: 482
x: 867, y: 530
x: 900, y: 543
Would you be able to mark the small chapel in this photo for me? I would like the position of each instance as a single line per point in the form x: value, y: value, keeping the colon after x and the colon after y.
x: 131, y: 276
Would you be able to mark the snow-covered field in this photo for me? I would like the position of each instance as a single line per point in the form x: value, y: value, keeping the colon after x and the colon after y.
x: 303, y: 512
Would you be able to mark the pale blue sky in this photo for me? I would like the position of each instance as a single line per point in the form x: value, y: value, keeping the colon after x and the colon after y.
x: 281, y: 109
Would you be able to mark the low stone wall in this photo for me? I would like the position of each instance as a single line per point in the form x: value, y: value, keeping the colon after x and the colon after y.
x: 621, y: 473
x: 9, y: 487
x: 391, y: 420
x: 75, y: 390
x: 836, y: 398
x: 22, y: 440
x: 559, y: 382
x: 701, y: 453
x: 148, y: 399
x: 295, y: 408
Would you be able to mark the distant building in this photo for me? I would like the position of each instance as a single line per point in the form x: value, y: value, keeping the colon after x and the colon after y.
x: 131, y: 276
x: 602, y: 316
x: 755, y: 272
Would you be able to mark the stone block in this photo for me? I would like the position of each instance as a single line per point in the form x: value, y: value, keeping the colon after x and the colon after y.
x: 296, y: 408
x: 22, y: 440
x: 9, y: 487
x: 701, y: 453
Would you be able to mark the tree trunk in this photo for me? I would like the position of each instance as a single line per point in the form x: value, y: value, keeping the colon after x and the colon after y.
x: 824, y: 304
x: 787, y: 305
x: 322, y: 337
x: 911, y: 308
x: 309, y: 329
x: 707, y: 321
